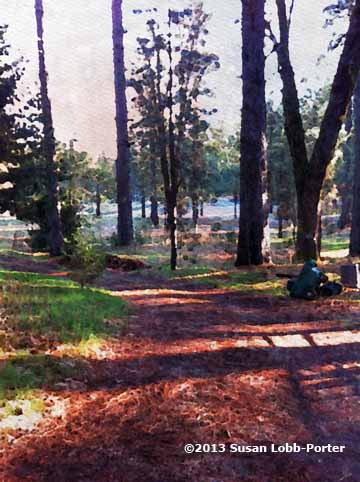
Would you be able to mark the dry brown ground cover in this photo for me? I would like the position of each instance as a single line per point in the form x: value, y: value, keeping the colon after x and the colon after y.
x: 205, y: 365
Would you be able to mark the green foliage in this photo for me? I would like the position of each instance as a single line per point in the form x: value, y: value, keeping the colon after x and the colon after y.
x: 222, y: 154
x: 24, y: 373
x: 87, y: 257
x: 281, y: 186
x: 159, y: 92
x: 70, y: 220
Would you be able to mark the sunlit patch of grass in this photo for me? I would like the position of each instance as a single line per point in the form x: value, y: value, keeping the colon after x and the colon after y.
x: 57, y: 307
x: 147, y: 255
x: 34, y: 279
x: 271, y: 287
x: 94, y: 346
x: 38, y: 257
x: 334, y: 244
x: 203, y: 276
x: 254, y: 281
x: 187, y: 272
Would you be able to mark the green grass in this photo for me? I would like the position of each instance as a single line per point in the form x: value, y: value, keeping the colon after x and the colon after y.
x: 41, y: 257
x: 334, y: 244
x: 185, y: 272
x: 42, y: 309
x: 255, y: 282
x: 285, y: 242
x: 23, y: 377
x: 23, y: 373
x: 53, y: 306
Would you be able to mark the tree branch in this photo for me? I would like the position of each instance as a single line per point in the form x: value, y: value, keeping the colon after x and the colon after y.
x: 290, y: 13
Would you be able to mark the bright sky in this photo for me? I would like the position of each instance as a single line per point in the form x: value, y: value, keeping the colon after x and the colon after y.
x: 78, y: 47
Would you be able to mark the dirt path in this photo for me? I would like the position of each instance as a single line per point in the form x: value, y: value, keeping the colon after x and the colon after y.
x: 208, y: 366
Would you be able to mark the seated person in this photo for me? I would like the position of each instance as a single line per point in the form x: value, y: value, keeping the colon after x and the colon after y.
x: 312, y: 283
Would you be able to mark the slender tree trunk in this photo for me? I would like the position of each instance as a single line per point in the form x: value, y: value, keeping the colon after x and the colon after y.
x: 174, y: 168
x: 55, y: 237
x: 168, y: 162
x: 98, y: 200
x: 294, y: 128
x: 195, y: 209
x: 236, y: 200
x: 125, y: 222
x: 355, y: 223
x: 345, y: 189
x: 319, y: 230
x: 172, y: 229
x: 143, y: 207
x: 154, y: 212
x: 201, y: 207
x: 252, y: 141
x: 310, y: 174
x: 280, y: 227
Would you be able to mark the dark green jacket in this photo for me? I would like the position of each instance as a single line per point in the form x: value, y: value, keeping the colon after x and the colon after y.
x: 307, y: 284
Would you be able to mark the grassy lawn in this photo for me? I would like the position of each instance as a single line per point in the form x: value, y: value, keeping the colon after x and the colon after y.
x: 40, y: 313
x: 48, y: 305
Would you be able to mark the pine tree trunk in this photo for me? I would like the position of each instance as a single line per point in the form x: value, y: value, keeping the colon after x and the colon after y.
x: 125, y: 222
x: 280, y: 227
x: 236, y: 200
x: 173, y: 161
x: 143, y: 207
x: 307, y: 222
x: 355, y: 223
x: 201, y: 207
x: 345, y: 189
x: 154, y: 212
x: 55, y: 237
x: 195, y: 209
x: 319, y: 231
x: 252, y: 141
x: 98, y: 200
x: 171, y: 225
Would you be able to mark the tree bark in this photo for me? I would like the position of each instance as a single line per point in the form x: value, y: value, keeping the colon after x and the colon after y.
x: 235, y: 200
x: 55, y: 236
x: 252, y: 138
x: 280, y: 226
x: 319, y: 231
x: 345, y: 189
x: 143, y: 207
x: 124, y: 202
x: 310, y: 174
x: 195, y: 209
x: 154, y: 214
x: 201, y: 207
x: 355, y: 222
x: 98, y: 200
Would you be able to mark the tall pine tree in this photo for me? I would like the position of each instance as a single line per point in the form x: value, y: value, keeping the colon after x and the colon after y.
x: 55, y: 237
